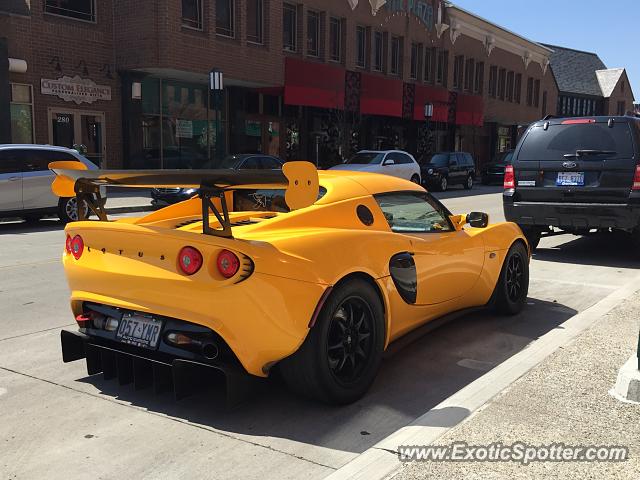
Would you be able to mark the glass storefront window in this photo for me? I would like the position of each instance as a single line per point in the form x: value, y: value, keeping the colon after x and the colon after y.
x: 21, y: 113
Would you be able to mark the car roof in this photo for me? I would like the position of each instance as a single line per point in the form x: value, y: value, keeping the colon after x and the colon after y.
x: 8, y: 146
x: 383, y: 151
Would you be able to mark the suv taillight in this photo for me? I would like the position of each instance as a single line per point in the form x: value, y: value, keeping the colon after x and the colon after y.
x: 636, y: 179
x: 509, y: 178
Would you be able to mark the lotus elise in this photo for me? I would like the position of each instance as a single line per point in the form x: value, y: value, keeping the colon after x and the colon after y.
x: 311, y: 273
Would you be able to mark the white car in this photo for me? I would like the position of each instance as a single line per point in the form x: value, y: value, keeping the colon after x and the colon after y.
x: 25, y: 182
x: 389, y: 162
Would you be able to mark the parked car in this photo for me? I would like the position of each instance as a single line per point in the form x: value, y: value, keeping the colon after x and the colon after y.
x: 389, y: 162
x: 493, y: 173
x: 25, y: 181
x: 449, y: 168
x: 577, y: 175
x: 257, y: 161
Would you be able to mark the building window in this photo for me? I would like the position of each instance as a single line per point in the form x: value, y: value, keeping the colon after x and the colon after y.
x: 78, y: 9
x: 469, y: 71
x: 396, y: 56
x: 313, y: 34
x: 493, y: 81
x: 361, y: 45
x: 442, y: 65
x: 192, y: 14
x: 289, y: 27
x: 224, y: 18
x: 378, y: 51
x: 255, y: 21
x: 621, y: 108
x: 335, y: 39
x: 458, y: 70
x: 517, y: 88
x: 502, y: 81
x: 21, y: 111
x: 510, y: 77
x: 428, y: 65
x: 529, y: 91
x: 478, y: 84
x: 536, y: 94
x: 415, y: 54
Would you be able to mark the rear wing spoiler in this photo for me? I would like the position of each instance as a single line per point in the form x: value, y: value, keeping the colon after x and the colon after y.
x: 299, y: 179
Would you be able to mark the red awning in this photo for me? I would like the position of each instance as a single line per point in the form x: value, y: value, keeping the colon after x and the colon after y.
x: 438, y: 97
x: 469, y: 110
x: 381, y: 96
x: 313, y: 84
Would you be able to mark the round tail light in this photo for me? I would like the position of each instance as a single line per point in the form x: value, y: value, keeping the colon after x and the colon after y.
x: 189, y: 260
x: 228, y: 263
x: 67, y: 244
x: 77, y: 247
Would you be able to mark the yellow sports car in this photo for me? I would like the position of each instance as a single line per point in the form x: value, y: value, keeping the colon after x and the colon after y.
x: 313, y: 273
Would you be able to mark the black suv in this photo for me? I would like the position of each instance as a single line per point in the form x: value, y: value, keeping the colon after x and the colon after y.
x: 448, y: 168
x: 577, y: 175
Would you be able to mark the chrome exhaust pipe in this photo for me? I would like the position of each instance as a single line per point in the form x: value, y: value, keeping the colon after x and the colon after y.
x: 210, y: 351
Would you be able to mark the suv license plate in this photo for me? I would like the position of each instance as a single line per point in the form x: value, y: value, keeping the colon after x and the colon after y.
x: 566, y: 179
x: 139, y: 331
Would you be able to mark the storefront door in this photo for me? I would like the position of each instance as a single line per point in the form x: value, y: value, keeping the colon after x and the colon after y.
x: 83, y: 129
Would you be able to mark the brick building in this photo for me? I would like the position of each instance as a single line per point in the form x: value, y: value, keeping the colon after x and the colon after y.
x: 312, y: 79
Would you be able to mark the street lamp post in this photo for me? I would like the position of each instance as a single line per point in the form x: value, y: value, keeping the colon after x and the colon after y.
x: 216, y: 86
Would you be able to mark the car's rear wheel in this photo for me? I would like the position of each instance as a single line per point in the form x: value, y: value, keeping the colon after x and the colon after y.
x: 469, y: 184
x: 416, y: 179
x: 533, y: 236
x: 444, y: 184
x: 511, y: 291
x: 340, y: 357
x: 68, y: 209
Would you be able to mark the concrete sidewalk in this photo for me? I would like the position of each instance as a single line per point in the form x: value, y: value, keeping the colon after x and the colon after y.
x: 565, y: 400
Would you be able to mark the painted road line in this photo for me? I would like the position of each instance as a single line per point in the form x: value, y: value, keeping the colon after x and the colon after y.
x: 381, y: 461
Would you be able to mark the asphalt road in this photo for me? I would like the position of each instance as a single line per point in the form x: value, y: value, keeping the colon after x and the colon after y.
x: 56, y: 422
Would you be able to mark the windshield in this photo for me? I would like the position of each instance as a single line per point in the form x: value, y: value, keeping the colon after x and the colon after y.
x: 505, y: 158
x: 366, y: 158
x: 440, y: 160
x: 588, y: 141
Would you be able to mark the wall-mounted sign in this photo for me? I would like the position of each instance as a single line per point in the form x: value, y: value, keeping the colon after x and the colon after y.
x: 75, y: 89
x: 422, y: 9
x: 184, y: 129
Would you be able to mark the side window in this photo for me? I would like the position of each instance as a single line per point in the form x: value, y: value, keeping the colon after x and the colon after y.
x: 413, y: 212
x: 9, y: 162
x: 251, y: 163
x: 469, y: 159
x: 269, y: 163
x: 39, y: 160
x: 403, y: 158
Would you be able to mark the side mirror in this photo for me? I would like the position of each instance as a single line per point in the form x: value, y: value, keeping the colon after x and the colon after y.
x: 388, y: 162
x: 478, y: 219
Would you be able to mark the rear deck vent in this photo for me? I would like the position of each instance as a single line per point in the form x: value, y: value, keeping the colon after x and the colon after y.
x: 188, y: 222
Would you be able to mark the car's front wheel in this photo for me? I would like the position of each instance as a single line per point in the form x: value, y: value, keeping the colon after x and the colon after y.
x: 444, y: 184
x: 340, y: 357
x: 68, y: 209
x: 510, y: 294
x: 469, y: 183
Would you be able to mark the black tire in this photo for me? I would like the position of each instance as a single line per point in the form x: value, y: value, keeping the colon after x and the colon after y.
x: 328, y: 366
x: 533, y: 236
x: 68, y: 210
x: 416, y: 179
x: 469, y: 183
x: 510, y: 294
x: 444, y: 184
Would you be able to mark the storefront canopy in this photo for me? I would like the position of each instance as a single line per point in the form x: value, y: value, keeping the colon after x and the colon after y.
x: 438, y: 97
x: 313, y: 84
x: 469, y: 110
x: 381, y: 96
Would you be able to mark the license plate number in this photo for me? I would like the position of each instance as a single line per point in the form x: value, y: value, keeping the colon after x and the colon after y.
x: 139, y: 331
x: 570, y: 179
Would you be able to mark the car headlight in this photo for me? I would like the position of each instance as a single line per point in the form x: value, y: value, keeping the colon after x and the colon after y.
x: 189, y: 191
x: 430, y: 171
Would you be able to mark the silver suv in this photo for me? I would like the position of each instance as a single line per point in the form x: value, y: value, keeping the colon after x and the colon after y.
x: 25, y: 181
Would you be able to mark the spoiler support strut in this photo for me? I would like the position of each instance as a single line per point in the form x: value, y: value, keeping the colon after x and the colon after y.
x: 206, y: 194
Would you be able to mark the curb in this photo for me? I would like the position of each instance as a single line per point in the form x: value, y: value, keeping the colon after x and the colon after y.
x: 381, y: 461
x: 627, y: 388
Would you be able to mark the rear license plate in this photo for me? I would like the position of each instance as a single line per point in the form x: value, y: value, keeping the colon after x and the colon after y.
x: 566, y: 179
x: 139, y: 331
